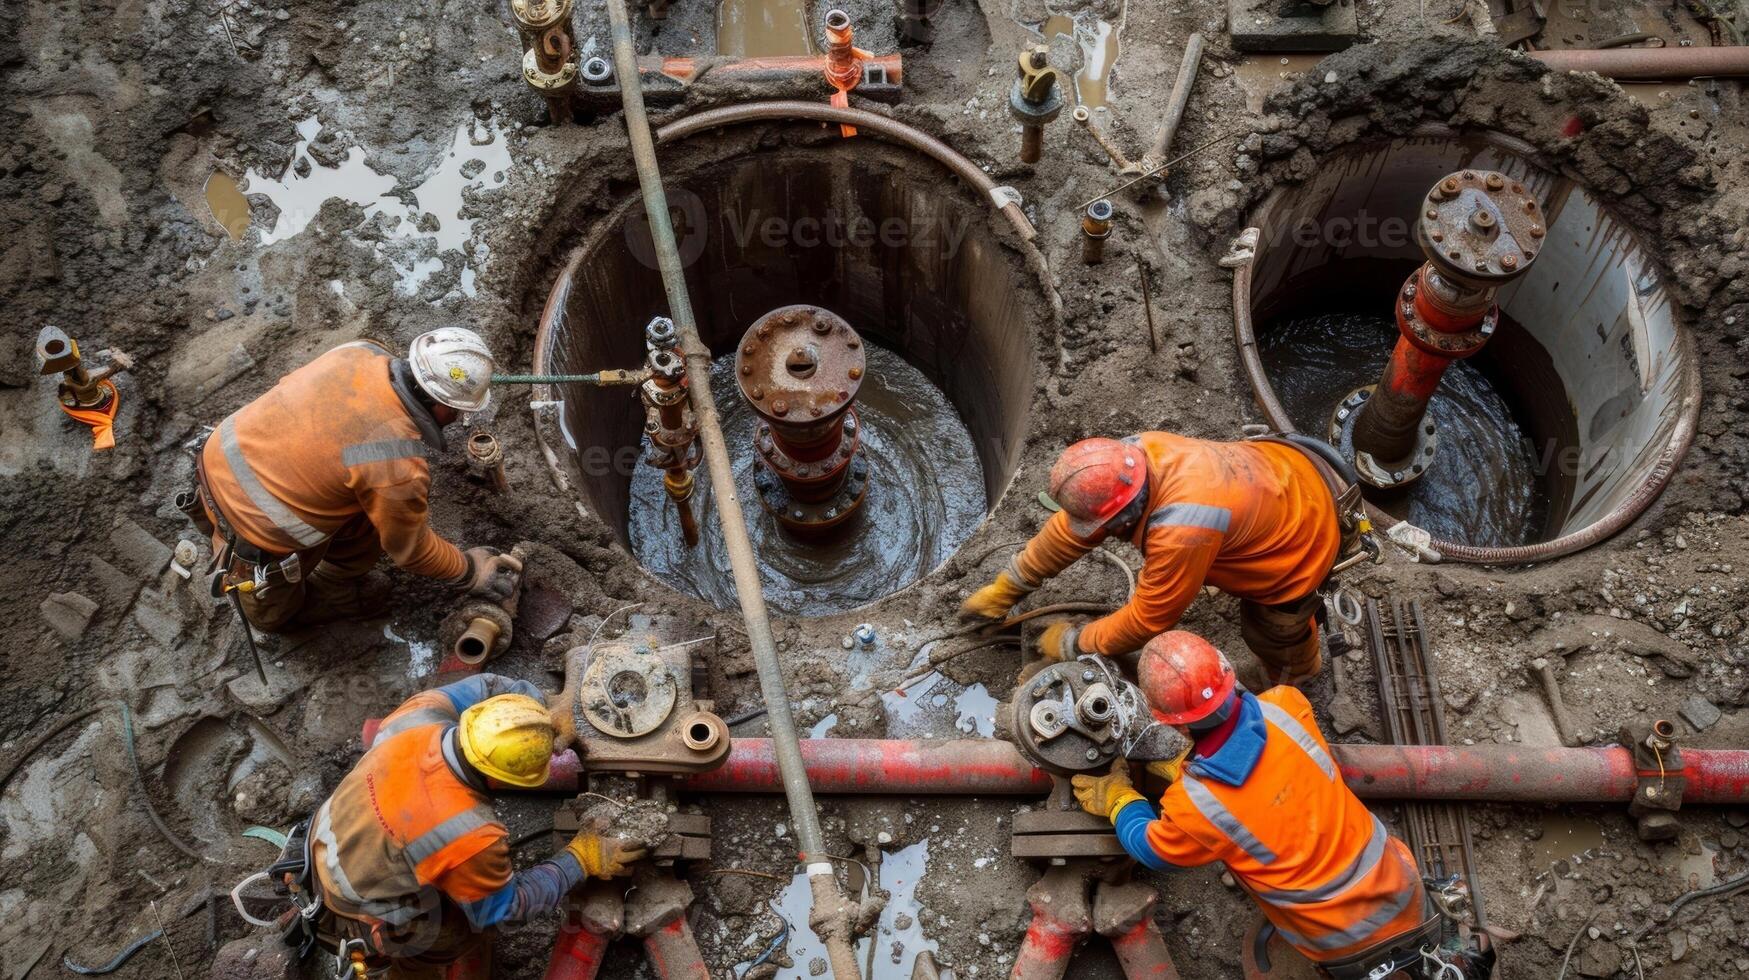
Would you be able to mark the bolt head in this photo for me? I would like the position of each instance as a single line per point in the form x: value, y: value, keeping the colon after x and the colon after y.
x: 780, y: 407
x: 1088, y: 675
x: 855, y: 373
x: 1092, y: 755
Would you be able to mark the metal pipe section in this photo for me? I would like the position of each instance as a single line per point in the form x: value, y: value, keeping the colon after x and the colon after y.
x: 864, y: 121
x: 1095, y: 229
x: 830, y: 912
x: 1176, y: 103
x: 1652, y: 64
x: 993, y: 767
x: 1480, y: 230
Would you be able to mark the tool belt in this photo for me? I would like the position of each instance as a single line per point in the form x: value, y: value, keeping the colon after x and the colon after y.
x: 1352, y: 522
x: 241, y: 565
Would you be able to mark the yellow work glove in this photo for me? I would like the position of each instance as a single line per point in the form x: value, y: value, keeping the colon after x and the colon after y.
x: 605, y: 857
x: 1104, y: 795
x: 1059, y: 641
x: 1171, y: 769
x: 993, y: 601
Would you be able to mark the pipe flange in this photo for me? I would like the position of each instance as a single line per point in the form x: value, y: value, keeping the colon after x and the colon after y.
x: 538, y: 15
x: 626, y: 693
x: 1078, y: 715
x: 1030, y: 113
x: 807, y: 518
x: 1371, y: 471
x: 547, y: 81
x: 1481, y: 227
x: 1431, y: 340
x: 820, y: 470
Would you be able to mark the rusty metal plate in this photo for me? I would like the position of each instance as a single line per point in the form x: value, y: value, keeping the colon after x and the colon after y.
x: 800, y: 364
x: 1481, y: 226
x: 627, y: 693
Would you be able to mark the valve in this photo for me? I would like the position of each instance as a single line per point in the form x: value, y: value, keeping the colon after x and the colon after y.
x: 1035, y: 99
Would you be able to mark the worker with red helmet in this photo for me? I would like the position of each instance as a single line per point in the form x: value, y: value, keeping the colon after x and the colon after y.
x: 1256, y: 519
x: 1260, y: 793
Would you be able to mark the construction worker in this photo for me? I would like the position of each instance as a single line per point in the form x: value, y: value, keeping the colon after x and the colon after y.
x: 1257, y: 519
x: 308, y: 485
x: 412, y: 865
x: 1260, y: 793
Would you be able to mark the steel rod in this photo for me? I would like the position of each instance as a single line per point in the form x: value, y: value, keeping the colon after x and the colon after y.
x: 830, y: 910
x: 1652, y: 64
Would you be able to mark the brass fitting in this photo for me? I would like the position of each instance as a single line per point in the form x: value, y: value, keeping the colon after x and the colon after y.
x: 549, y: 57
x: 1095, y: 229
x: 1035, y: 99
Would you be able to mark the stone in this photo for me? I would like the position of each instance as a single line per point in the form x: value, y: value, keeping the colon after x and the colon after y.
x: 115, y: 588
x: 1737, y: 818
x: 161, y: 616
x: 1678, y: 945
x: 137, y: 550
x: 1699, y: 712
x: 69, y: 614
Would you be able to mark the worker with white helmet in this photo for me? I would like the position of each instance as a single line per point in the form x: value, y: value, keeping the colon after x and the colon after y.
x: 308, y: 485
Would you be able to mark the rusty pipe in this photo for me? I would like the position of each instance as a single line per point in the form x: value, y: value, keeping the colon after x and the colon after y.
x: 865, y: 121
x: 993, y: 767
x: 1095, y: 229
x: 486, y: 460
x: 1652, y: 64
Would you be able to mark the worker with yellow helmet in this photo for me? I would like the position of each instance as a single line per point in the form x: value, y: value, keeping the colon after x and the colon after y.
x: 410, y: 860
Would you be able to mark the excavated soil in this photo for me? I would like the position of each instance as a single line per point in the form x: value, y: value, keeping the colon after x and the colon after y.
x: 367, y: 120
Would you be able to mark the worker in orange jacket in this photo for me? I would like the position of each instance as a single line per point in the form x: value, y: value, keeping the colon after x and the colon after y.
x: 308, y: 485
x: 1260, y: 793
x: 1258, y: 520
x: 411, y: 862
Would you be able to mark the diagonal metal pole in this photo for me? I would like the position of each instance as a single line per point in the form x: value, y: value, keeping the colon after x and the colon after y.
x: 831, y: 914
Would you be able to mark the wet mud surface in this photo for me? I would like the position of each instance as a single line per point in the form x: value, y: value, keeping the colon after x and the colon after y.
x: 1483, y: 487
x: 925, y: 495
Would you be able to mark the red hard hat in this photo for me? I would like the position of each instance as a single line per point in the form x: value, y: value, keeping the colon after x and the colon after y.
x: 1096, y: 478
x: 1184, y: 677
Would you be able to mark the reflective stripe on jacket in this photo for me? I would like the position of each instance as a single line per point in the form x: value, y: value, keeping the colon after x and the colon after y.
x: 1253, y: 519
x: 1322, y: 867
x: 402, y: 829
x: 331, y: 441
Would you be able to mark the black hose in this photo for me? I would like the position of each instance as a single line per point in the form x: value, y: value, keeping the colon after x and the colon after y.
x: 164, y: 831
x: 115, y: 964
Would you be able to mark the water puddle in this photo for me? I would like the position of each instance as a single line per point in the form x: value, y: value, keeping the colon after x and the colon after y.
x: 936, y: 707
x: 1695, y: 871
x: 898, y: 939
x: 1564, y: 839
x: 230, y: 208
x: 1484, y: 487
x: 764, y: 28
x: 924, y: 498
x: 1258, y: 75
x: 824, y: 726
x: 415, y: 235
x: 1100, y: 47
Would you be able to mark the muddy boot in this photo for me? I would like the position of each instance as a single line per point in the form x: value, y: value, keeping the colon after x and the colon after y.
x: 1284, y: 637
x: 330, y: 598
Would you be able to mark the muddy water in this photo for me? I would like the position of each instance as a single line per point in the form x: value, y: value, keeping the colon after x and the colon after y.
x: 926, y: 494
x: 898, y: 937
x: 1100, y: 47
x: 1483, y: 487
x: 230, y: 208
x: 1258, y: 75
x: 764, y: 28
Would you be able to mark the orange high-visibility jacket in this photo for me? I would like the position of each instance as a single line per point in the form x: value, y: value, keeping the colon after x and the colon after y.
x: 402, y: 829
x: 1322, y: 867
x: 331, y: 441
x: 1254, y: 519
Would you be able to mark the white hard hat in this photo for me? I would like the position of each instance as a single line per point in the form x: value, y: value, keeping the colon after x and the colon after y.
x: 454, y: 366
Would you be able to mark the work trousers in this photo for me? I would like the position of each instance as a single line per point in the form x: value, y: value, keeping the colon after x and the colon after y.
x: 427, y: 947
x: 330, y: 588
x: 1284, y: 636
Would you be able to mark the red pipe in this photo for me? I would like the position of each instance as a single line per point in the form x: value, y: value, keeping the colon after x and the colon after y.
x: 992, y: 767
x: 1650, y: 64
x: 577, y: 954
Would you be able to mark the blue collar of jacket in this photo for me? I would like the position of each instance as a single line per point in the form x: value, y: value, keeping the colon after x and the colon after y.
x: 1232, y: 763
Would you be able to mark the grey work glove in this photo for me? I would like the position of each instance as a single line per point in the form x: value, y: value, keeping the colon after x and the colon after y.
x: 491, y: 575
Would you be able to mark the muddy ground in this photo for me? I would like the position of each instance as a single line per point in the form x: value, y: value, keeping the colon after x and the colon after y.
x: 118, y: 112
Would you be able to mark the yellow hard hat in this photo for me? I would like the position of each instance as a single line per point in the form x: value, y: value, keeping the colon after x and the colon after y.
x: 509, y: 738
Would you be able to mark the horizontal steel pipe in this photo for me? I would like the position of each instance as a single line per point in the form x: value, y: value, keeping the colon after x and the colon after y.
x: 1651, y: 64
x: 992, y: 767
